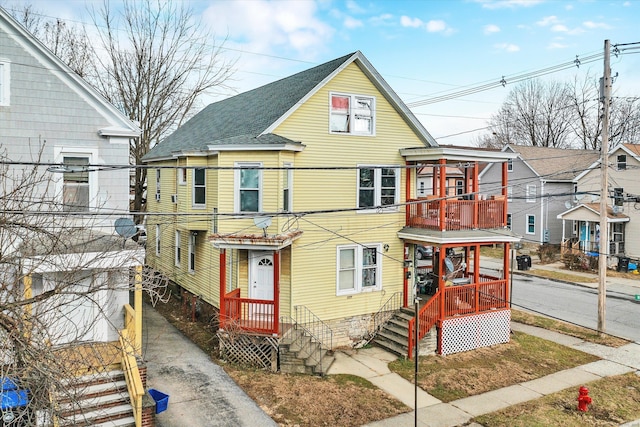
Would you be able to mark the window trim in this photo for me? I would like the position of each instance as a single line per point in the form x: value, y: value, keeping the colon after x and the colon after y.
x: 529, y: 198
x: 178, y: 249
x: 194, y: 186
x: 59, y: 153
x: 621, y: 165
x: 358, y: 266
x: 192, y: 251
x: 158, y: 235
x: 509, y: 223
x: 509, y: 165
x: 377, y: 189
x: 236, y: 183
x: 287, y: 187
x: 527, y: 224
x: 182, y: 176
x: 351, y: 115
x: 158, y: 184
x: 5, y: 83
x: 509, y: 193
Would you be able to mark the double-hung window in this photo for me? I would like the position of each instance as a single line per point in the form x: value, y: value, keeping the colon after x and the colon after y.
x: 75, y: 184
x: 4, y: 83
x: 530, y: 194
x: 178, y: 253
x: 359, y: 269
x: 352, y: 114
x: 157, y: 239
x: 622, y: 162
x: 378, y: 187
x: 509, y: 193
x: 509, y: 221
x: 192, y: 252
x: 182, y: 176
x: 287, y: 178
x: 158, y: 184
x: 509, y: 165
x: 531, y: 224
x: 248, y: 181
x: 199, y: 187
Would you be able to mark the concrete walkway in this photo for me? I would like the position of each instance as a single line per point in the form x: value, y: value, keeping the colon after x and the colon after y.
x: 200, y: 392
x: 371, y: 363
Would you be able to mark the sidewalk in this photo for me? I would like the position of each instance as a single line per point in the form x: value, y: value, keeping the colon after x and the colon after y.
x: 372, y: 363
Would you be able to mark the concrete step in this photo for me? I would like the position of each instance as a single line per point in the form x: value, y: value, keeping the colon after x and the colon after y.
x: 97, y: 416
x: 120, y: 422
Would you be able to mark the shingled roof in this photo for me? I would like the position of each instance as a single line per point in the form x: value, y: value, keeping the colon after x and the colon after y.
x: 556, y: 164
x: 245, y: 119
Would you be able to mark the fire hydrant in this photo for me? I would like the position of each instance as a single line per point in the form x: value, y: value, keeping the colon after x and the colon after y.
x: 583, y: 399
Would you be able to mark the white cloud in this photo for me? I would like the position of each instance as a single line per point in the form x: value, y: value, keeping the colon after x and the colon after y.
x: 507, y: 47
x: 406, y: 21
x: 595, y: 25
x: 352, y: 23
x: 436, y: 26
x: 559, y: 28
x: 547, y: 20
x: 264, y: 26
x: 626, y: 4
x: 557, y: 45
x: 511, y: 4
x: 354, y: 7
x: 491, y: 28
x: 384, y: 19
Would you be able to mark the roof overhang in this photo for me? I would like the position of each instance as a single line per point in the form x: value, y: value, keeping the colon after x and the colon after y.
x: 254, y: 241
x: 584, y: 212
x: 456, y: 154
x: 462, y: 237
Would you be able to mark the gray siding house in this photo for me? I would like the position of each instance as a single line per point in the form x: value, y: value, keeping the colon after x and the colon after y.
x: 540, y: 187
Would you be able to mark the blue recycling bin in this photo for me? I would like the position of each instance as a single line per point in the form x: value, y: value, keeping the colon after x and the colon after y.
x: 161, y: 399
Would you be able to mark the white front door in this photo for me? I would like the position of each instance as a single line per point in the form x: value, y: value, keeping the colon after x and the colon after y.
x: 261, y: 281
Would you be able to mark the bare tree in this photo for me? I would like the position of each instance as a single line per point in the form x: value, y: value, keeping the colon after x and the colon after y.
x: 60, y: 277
x: 157, y: 63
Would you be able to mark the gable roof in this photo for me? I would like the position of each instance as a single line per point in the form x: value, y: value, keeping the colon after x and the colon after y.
x: 554, y: 164
x: 248, y: 119
x: 118, y: 123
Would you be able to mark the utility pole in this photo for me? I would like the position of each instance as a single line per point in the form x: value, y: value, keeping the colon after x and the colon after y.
x: 604, y: 192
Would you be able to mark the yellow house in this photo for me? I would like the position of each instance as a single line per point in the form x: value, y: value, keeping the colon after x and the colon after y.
x: 283, y: 206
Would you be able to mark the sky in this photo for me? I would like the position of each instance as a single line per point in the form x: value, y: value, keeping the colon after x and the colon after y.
x: 422, y: 48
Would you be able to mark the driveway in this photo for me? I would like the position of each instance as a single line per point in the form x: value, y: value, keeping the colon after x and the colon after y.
x: 200, y: 392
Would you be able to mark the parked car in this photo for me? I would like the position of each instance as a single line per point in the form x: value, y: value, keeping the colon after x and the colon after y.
x: 423, y: 252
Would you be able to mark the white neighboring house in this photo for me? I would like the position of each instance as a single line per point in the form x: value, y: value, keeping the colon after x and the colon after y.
x: 49, y: 114
x: 623, y: 206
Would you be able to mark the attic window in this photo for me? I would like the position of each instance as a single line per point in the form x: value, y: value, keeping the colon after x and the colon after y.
x: 352, y: 114
x: 622, y: 162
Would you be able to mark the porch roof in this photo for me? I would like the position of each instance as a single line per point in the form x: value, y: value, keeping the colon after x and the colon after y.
x: 456, y: 154
x: 435, y: 237
x: 591, y: 212
x: 254, y: 241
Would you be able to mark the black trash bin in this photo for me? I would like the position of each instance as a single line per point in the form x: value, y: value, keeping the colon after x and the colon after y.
x: 623, y: 264
x: 527, y: 260
x: 521, y: 262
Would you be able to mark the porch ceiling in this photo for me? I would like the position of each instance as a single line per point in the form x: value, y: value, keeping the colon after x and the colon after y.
x: 254, y: 241
x: 422, y: 236
x: 456, y: 154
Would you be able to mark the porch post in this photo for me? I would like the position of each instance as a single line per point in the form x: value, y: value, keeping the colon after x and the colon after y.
x: 443, y: 251
x: 407, y: 186
x: 276, y: 293
x: 476, y: 263
x: 137, y: 300
x: 223, y: 284
x: 405, y: 270
x: 442, y: 190
x: 504, y: 192
x: 506, y: 266
x: 474, y: 191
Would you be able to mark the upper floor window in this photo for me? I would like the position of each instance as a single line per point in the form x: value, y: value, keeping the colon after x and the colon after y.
x: 459, y: 187
x: 509, y: 221
x: 178, y: 254
x: 182, y: 176
x: 157, y: 239
x: 199, y: 187
x: 4, y: 84
x: 509, y: 193
x: 378, y: 187
x: 531, y: 224
x: 158, y: 184
x: 75, y: 184
x: 510, y: 165
x: 622, y: 162
x: 352, y: 114
x: 192, y: 252
x: 359, y: 269
x: 248, y: 183
x: 530, y: 194
x: 287, y: 178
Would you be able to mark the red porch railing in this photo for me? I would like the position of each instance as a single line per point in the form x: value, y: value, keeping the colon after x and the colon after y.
x: 458, y: 214
x: 248, y: 314
x: 486, y: 295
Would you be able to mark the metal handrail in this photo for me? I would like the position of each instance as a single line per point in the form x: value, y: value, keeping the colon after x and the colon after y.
x: 320, y: 331
x: 306, y: 332
x: 393, y: 304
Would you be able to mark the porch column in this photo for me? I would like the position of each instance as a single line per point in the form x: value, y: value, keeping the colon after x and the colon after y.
x: 504, y: 192
x: 137, y: 300
x: 407, y: 186
x: 476, y: 263
x: 505, y: 267
x: 223, y: 284
x: 441, y: 287
x: 276, y: 293
x: 405, y: 271
x: 474, y: 194
x: 442, y: 191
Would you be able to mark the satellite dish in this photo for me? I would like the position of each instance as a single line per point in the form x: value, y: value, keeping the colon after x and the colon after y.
x: 125, y: 227
x: 579, y: 197
x: 567, y: 204
x: 262, y: 222
x: 594, y: 197
x: 449, y: 265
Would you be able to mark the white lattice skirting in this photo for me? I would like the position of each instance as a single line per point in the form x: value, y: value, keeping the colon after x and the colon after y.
x: 470, y: 332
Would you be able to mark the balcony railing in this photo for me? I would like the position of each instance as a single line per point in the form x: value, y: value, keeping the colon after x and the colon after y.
x: 248, y: 314
x: 456, y: 214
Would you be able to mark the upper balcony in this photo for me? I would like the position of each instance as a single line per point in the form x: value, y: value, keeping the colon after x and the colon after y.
x: 446, y: 215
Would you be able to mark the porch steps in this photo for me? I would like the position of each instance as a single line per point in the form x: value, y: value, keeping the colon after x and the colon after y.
x: 394, y: 335
x: 98, y: 400
x: 298, y: 353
